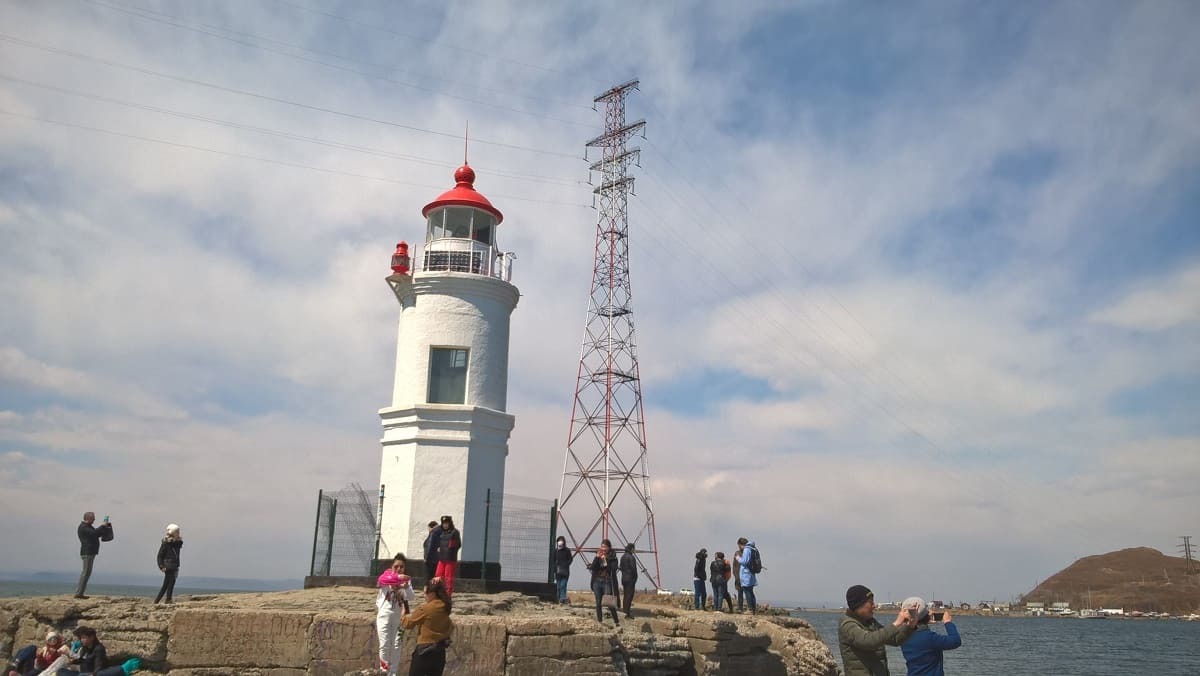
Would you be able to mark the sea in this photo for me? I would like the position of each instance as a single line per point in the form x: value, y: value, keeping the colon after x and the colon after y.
x: 1050, y: 645
x: 24, y: 589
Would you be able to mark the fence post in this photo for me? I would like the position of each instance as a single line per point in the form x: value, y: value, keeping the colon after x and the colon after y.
x: 316, y: 530
x: 329, y: 552
x: 378, y: 530
x: 550, y: 567
x: 487, y: 518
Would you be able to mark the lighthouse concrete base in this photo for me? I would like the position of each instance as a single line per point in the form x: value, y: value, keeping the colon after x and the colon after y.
x: 442, y: 459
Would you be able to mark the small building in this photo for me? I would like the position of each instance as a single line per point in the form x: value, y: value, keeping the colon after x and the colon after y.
x: 1060, y: 606
x: 1035, y: 608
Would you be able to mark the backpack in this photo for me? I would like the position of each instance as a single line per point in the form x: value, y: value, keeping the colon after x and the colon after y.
x: 755, y: 561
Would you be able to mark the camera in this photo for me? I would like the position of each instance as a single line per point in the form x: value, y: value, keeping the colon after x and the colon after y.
x: 937, y: 615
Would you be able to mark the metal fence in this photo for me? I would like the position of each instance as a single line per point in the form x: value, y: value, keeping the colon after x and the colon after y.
x: 527, y: 535
x: 344, y: 539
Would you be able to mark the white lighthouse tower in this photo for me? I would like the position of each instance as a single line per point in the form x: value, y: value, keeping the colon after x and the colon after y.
x: 445, y: 435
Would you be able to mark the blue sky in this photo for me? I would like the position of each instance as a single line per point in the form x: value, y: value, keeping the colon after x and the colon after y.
x: 906, y: 278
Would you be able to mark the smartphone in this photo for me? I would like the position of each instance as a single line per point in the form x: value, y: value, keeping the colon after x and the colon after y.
x: 105, y: 518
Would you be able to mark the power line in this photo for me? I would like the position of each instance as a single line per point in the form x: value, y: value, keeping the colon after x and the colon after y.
x: 149, y: 16
x: 256, y: 158
x: 201, y: 83
x: 281, y: 134
x: 422, y: 38
x: 1189, y: 551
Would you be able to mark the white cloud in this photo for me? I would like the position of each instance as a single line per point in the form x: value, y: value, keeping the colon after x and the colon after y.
x: 1164, y: 303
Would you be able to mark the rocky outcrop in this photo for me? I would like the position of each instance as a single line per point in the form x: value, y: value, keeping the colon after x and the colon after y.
x: 331, y: 632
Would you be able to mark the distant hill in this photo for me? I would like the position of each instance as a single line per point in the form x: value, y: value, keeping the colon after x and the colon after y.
x: 1140, y: 578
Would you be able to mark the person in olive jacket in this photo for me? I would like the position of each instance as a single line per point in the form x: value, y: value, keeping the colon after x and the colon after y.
x: 168, y: 562
x: 629, y: 578
x: 89, y: 546
x: 862, y: 638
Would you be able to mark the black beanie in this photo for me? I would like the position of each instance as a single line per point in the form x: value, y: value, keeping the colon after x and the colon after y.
x: 857, y: 595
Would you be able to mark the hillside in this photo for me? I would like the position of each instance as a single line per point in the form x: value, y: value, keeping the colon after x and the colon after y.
x: 1139, y: 578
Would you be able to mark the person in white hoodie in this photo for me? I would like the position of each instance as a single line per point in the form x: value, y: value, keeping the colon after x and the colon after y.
x: 393, y: 602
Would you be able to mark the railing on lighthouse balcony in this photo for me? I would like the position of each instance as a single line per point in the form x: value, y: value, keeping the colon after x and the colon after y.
x: 462, y: 239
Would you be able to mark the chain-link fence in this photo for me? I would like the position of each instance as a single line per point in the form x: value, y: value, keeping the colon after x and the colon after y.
x: 519, y: 533
x: 344, y: 540
x: 526, y: 538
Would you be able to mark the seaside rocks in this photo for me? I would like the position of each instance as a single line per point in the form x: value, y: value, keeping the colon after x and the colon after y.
x: 331, y: 632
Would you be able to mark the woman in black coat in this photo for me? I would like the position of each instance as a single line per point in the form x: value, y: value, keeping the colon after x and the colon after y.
x: 604, y: 579
x: 168, y: 562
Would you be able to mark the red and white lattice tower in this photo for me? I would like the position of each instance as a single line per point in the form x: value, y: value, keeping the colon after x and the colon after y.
x: 605, y: 491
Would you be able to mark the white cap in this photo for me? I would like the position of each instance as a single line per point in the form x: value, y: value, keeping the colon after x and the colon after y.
x: 917, y: 605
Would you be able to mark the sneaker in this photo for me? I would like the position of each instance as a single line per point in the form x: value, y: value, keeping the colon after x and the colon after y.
x: 384, y: 666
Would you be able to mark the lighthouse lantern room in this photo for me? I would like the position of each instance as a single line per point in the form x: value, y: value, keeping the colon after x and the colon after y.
x: 445, y: 435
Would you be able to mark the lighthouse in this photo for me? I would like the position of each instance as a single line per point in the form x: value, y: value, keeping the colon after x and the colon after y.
x: 445, y: 434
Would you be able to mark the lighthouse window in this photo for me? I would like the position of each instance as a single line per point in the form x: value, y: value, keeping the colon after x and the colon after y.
x: 435, y: 224
x: 458, y: 223
x: 447, y: 375
x: 481, y: 227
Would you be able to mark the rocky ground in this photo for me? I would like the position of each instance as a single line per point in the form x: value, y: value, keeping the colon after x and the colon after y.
x: 330, y: 632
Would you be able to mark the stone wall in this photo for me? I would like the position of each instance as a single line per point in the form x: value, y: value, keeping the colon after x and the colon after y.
x: 331, y: 632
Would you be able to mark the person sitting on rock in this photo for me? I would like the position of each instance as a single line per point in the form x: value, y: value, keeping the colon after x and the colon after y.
x: 93, y: 656
x: 32, y: 660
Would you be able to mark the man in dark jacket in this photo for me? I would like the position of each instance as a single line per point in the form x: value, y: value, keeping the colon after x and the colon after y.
x: 89, y: 546
x: 430, y: 551
x: 563, y: 556
x: 629, y: 578
x: 93, y: 656
x: 449, y: 541
x: 862, y: 639
x: 700, y: 580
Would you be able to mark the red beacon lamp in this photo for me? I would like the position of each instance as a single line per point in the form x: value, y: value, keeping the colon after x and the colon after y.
x: 400, y: 260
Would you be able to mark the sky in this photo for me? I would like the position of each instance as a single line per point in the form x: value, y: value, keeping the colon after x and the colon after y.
x: 916, y: 287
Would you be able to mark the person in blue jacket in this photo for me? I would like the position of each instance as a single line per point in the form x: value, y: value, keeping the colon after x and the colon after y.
x: 923, y: 650
x: 748, y: 578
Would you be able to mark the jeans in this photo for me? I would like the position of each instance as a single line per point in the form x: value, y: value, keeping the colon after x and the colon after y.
x: 562, y: 589
x: 600, y: 588
x: 168, y: 585
x: 750, y: 598
x: 720, y: 594
x: 699, y: 594
x: 741, y: 598
x: 85, y: 574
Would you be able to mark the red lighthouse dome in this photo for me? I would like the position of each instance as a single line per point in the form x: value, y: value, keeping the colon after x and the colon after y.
x: 463, y: 194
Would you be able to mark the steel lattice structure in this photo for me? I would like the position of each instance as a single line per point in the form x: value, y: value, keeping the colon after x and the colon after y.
x: 605, y: 490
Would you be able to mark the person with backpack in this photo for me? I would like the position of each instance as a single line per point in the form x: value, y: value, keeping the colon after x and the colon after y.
x: 718, y: 575
x: 749, y: 566
x: 562, y: 567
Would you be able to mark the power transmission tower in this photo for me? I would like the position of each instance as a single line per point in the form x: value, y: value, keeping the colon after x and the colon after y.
x: 1189, y: 551
x: 605, y: 490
